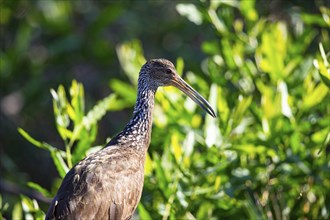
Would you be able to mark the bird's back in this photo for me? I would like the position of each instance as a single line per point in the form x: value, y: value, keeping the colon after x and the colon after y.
x: 105, y: 185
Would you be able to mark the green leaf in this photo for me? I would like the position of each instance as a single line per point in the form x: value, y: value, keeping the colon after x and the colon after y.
x: 29, y: 138
x: 64, y: 133
x: 125, y: 90
x: 148, y: 165
x: 323, y: 67
x: 324, y: 76
x: 86, y: 139
x: 243, y: 105
x: 203, y: 211
x: 228, y: 53
x: 188, y: 148
x: 179, y: 66
x: 310, y: 19
x: 130, y: 55
x: 143, y: 213
x: 323, y: 55
x: 98, y: 111
x: 3, y: 207
x: 217, y: 22
x: 93, y: 116
x: 17, y: 211
x: 325, y: 143
x: 273, y: 50
x: 77, y: 102
x: 40, y: 189
x: 31, y: 208
x: 60, y: 165
x: 285, y: 107
x: 33, y: 141
x: 212, y: 132
x: 248, y: 10
x: 254, y: 210
x: 160, y: 174
x: 176, y: 147
x: 270, y: 101
x: 316, y: 96
x: 191, y: 12
x: 60, y: 111
x: 222, y: 105
x: 211, y: 47
x: 253, y: 149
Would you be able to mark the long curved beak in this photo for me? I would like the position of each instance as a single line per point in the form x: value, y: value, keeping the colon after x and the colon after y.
x: 179, y: 83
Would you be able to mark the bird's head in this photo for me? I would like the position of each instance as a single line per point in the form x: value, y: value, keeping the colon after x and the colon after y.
x: 162, y: 72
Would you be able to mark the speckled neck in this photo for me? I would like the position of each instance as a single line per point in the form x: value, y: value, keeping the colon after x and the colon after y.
x: 137, y: 132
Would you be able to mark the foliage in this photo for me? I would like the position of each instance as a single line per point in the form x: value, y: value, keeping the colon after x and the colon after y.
x: 266, y: 154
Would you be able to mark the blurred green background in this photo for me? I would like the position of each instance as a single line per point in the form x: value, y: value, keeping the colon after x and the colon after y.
x: 263, y: 66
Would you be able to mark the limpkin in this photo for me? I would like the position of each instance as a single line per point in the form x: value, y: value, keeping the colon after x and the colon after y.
x: 108, y: 184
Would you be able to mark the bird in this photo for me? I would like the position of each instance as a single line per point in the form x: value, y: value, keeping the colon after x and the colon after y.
x: 108, y: 184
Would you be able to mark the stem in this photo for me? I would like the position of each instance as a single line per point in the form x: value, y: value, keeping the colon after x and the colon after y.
x: 172, y: 197
x: 168, y: 207
x: 68, y: 155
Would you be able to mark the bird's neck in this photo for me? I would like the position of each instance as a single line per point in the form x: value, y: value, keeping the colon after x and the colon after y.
x: 137, y: 132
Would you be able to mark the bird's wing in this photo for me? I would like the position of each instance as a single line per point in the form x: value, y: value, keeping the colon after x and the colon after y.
x: 60, y: 206
x: 105, y: 185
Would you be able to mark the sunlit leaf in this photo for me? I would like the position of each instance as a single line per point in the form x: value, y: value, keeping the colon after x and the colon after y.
x: 33, y: 141
x: 319, y: 136
x: 316, y: 96
x: 243, y: 104
x: 270, y: 101
x: 131, y: 59
x: 223, y: 106
x: 60, y: 111
x: 148, y: 167
x: 285, y: 107
x: 17, y: 211
x: 60, y: 165
x: 176, y: 147
x: 76, y: 109
x: 217, y: 183
x: 203, y: 210
x: 295, y: 142
x: 229, y: 53
x: 29, y: 138
x: 248, y: 10
x: 212, y: 132
x: 188, y: 147
x: 273, y: 51
x: 191, y: 12
x: 217, y: 21
x: 31, y: 208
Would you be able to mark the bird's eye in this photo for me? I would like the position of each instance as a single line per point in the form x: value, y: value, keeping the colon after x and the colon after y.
x: 168, y: 71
